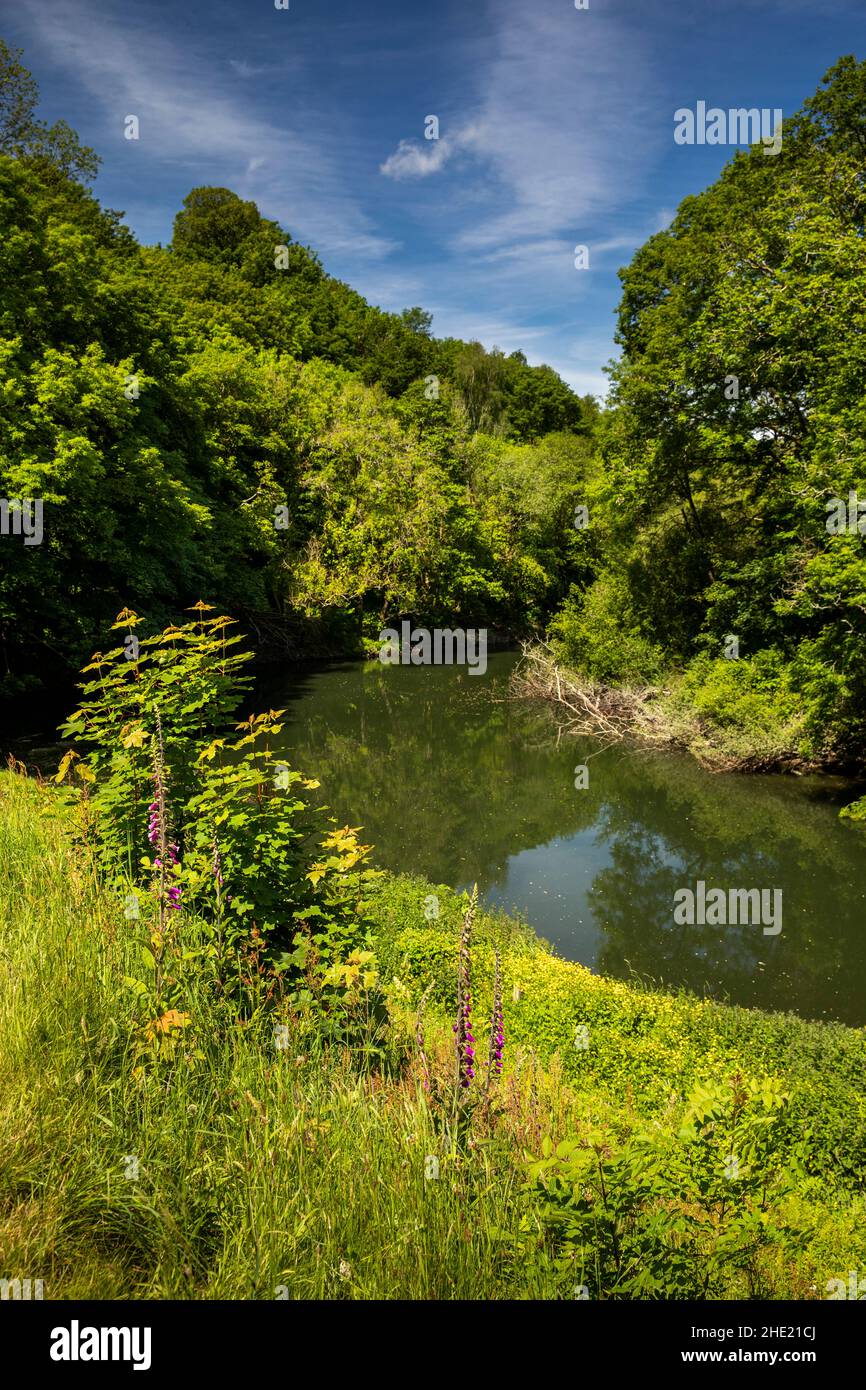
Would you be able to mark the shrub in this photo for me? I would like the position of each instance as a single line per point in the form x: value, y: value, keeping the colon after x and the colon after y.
x: 746, y: 707
x: 597, y: 635
x: 671, y: 1215
x: 237, y: 869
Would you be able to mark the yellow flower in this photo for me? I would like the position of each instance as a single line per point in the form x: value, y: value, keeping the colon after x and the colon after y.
x: 168, y: 1022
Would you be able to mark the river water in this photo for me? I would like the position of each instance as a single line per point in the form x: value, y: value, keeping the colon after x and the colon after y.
x: 452, y: 780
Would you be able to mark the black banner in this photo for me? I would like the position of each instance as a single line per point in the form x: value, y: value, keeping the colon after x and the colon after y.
x: 83, y: 1340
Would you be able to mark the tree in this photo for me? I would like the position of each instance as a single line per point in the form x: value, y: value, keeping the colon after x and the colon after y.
x: 213, y: 420
x: 214, y: 224
x: 417, y: 320
x: 740, y: 410
x: 24, y: 137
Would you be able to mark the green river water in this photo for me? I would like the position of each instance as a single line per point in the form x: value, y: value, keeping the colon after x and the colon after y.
x: 452, y: 780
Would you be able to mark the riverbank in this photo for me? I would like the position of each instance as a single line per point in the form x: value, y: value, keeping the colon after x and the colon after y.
x: 751, y: 735
x: 233, y: 1169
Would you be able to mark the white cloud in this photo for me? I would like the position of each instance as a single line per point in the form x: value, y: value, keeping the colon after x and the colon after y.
x: 563, y: 121
x: 554, y: 145
x: 413, y: 160
x: 557, y: 140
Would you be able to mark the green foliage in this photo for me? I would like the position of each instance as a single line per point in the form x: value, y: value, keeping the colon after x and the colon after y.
x: 749, y: 698
x: 593, y: 634
x: 212, y: 821
x: 737, y: 416
x: 222, y: 417
x: 133, y: 1173
x: 855, y: 810
x: 191, y: 679
x: 54, y: 148
x: 671, y: 1215
x: 215, y: 224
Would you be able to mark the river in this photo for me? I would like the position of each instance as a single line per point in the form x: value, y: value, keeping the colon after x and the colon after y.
x: 452, y: 780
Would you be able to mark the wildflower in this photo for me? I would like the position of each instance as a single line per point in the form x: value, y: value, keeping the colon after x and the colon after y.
x: 464, y: 1039
x: 217, y: 865
x: 497, y: 1032
x: 166, y: 860
x: 419, y: 1038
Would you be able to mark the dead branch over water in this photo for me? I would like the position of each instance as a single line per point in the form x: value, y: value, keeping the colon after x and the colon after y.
x: 640, y: 714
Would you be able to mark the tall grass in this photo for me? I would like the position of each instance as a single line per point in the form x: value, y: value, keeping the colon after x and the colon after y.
x: 248, y: 1171
x: 239, y: 1169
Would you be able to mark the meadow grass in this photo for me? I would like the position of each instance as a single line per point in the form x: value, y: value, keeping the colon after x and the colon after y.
x: 238, y: 1169
x: 256, y: 1167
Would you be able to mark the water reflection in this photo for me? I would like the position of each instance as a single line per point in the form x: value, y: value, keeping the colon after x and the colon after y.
x: 451, y: 780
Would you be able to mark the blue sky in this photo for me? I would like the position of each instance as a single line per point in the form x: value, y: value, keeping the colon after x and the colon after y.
x: 556, y: 129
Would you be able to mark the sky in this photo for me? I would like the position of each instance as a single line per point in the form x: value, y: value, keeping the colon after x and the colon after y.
x: 556, y: 130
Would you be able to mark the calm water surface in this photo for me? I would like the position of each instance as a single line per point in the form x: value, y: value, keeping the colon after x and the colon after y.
x: 451, y: 780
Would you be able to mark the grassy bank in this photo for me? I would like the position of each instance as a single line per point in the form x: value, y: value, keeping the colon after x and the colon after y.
x: 235, y: 1168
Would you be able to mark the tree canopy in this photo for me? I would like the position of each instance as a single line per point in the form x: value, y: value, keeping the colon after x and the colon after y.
x: 220, y: 418
x: 738, y: 416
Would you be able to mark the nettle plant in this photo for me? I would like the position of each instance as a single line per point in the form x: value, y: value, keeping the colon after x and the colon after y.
x: 178, y: 798
x: 653, y: 1217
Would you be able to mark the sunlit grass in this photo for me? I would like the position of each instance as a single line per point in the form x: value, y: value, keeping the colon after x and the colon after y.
x: 257, y: 1172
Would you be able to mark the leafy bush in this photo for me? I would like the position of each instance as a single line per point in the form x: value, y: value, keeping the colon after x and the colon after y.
x: 239, y: 871
x: 671, y: 1215
x: 745, y: 706
x: 749, y: 689
x: 596, y: 634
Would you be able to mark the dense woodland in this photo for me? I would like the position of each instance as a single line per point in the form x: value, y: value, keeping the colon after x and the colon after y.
x: 290, y: 449
x: 220, y: 418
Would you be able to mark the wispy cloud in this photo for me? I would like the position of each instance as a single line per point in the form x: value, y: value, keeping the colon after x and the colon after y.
x: 553, y: 124
x: 186, y: 117
x: 563, y: 119
x: 561, y: 123
x: 414, y: 160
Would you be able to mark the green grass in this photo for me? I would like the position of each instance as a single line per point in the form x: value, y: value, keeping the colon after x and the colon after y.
x: 261, y: 1170
x: 257, y: 1167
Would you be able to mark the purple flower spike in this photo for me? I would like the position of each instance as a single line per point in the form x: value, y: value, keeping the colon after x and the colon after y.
x: 464, y: 1041
x: 497, y: 1030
